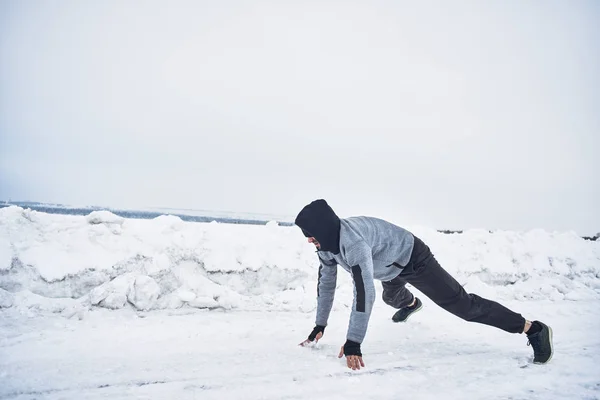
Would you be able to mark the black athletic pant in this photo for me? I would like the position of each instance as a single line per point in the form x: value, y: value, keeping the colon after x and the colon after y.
x: 425, y: 273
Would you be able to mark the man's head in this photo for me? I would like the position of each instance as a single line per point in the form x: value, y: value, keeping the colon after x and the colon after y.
x: 315, y: 242
x: 311, y: 238
x: 320, y: 225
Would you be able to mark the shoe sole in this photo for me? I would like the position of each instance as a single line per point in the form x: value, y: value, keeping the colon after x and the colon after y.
x: 551, y: 348
x: 408, y: 316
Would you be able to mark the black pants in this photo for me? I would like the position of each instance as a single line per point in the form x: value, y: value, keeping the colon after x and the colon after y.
x: 425, y: 273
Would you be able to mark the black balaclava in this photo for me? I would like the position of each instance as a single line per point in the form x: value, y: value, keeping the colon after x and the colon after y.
x: 319, y: 221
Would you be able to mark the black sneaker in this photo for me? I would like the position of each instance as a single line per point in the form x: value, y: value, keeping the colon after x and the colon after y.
x: 403, y: 313
x: 542, y: 344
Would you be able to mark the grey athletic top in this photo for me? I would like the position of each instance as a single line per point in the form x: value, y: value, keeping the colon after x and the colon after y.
x: 370, y: 248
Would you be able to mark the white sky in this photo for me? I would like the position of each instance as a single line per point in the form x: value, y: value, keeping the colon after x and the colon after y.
x: 453, y: 114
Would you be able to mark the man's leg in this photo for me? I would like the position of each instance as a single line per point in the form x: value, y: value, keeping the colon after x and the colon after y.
x: 396, y: 294
x: 426, y: 274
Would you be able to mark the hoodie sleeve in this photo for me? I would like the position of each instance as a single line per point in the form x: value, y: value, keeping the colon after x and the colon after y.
x: 360, y: 260
x: 325, y: 290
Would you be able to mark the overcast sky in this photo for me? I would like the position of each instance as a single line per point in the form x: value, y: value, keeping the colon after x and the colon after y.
x: 450, y: 114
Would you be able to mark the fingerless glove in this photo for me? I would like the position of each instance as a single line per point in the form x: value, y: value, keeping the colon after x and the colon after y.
x: 352, y: 348
x: 317, y: 329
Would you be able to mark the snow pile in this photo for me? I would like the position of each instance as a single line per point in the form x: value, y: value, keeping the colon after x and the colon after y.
x: 104, y: 217
x: 6, y: 299
x: 63, y: 264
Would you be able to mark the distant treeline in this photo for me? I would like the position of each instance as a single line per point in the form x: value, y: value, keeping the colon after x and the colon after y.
x: 592, y: 238
x: 449, y: 232
x: 66, y: 210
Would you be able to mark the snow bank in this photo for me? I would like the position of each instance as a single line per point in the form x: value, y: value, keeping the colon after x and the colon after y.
x: 60, y: 263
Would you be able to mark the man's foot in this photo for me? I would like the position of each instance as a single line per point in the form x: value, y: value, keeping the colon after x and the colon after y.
x: 541, y: 341
x: 403, y: 313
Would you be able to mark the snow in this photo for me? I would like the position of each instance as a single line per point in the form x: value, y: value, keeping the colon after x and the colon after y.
x: 104, y: 217
x: 100, y: 306
x: 172, y: 354
x: 6, y: 299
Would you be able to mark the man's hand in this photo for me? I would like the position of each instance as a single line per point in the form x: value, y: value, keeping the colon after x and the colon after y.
x: 316, y: 335
x: 353, y: 355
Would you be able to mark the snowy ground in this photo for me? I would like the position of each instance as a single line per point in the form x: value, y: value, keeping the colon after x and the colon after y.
x: 229, y: 355
x: 105, y: 307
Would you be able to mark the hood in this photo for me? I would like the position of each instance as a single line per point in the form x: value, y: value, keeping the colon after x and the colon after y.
x: 319, y: 221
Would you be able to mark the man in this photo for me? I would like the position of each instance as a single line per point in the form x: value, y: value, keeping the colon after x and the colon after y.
x: 370, y: 248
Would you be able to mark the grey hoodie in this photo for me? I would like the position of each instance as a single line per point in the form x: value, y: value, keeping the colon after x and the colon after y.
x: 369, y: 248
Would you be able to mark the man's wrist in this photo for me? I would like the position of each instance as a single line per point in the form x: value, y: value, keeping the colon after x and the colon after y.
x: 352, y: 348
x: 316, y: 330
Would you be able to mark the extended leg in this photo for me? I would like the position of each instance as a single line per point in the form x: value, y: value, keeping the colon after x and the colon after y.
x: 426, y: 274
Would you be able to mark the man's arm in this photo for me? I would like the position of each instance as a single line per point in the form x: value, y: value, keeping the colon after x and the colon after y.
x: 325, y: 294
x: 361, y: 261
x: 325, y: 290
